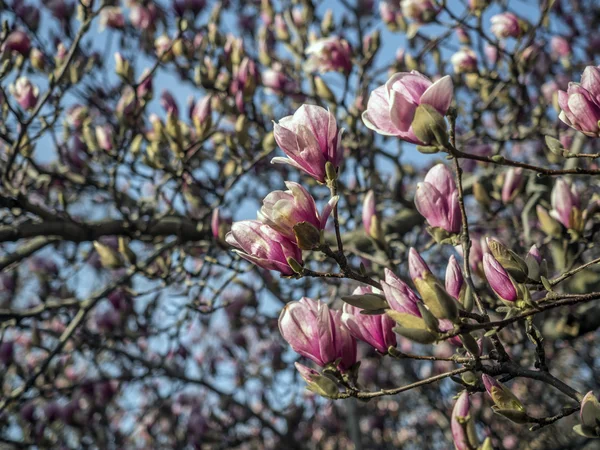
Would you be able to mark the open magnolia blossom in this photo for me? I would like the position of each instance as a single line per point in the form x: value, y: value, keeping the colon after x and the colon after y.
x: 391, y: 107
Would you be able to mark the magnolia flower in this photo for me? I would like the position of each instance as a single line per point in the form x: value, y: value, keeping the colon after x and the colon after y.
x: 464, y: 60
x: 506, y: 25
x: 282, y: 210
x: 111, y: 17
x: 374, y: 329
x: 17, y: 41
x: 277, y: 82
x: 317, y: 333
x: 310, y: 138
x: 436, y: 199
x: 391, y: 107
x: 421, y: 11
x: 512, y: 184
x: 329, y: 54
x: 580, y: 104
x: 263, y: 246
x: 566, y: 205
x: 459, y: 432
x: 24, y: 92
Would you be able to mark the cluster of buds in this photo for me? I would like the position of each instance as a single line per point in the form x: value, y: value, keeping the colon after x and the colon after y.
x: 411, y: 107
x: 288, y: 220
x: 420, y: 319
x: 436, y: 199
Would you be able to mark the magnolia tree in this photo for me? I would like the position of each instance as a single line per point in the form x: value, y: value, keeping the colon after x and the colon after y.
x: 422, y: 269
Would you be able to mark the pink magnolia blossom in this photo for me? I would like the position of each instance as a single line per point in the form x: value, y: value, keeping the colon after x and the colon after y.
x: 24, y: 92
x: 112, y: 17
x: 506, y: 25
x: 421, y: 11
x: 329, y: 54
x: 437, y: 200
x: 391, y: 107
x: 18, y: 42
x: 403, y: 299
x: 317, y: 332
x: 564, y: 199
x: 310, y: 138
x: 512, y: 183
x: 580, y: 104
x: 455, y: 282
x: 459, y: 434
x: 375, y: 330
x: 464, y: 61
x: 282, y: 210
x: 263, y: 246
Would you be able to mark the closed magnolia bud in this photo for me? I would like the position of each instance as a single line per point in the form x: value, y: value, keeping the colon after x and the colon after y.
x: 512, y: 184
x: 547, y: 224
x: 370, y: 219
x: 480, y: 192
x: 514, y: 264
x: 502, y: 396
x: 499, y: 280
x: 123, y: 68
x: 533, y: 259
x: 317, y: 383
x: 327, y: 24
x: 109, y: 257
x: 461, y: 423
x: 455, y: 282
x: 36, y: 57
x: 589, y: 415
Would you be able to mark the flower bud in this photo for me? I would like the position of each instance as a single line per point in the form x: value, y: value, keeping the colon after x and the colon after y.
x: 104, y: 137
x: 17, y: 42
x: 499, y: 280
x: 317, y: 383
x: 514, y: 264
x: 503, y: 398
x: 512, y: 184
x: 441, y: 304
x: 464, y: 61
x: 590, y: 416
x: 36, y: 57
x: 455, y: 282
x: 547, y: 224
x: 25, y: 93
x: 462, y: 425
x: 370, y: 219
x: 123, y: 68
